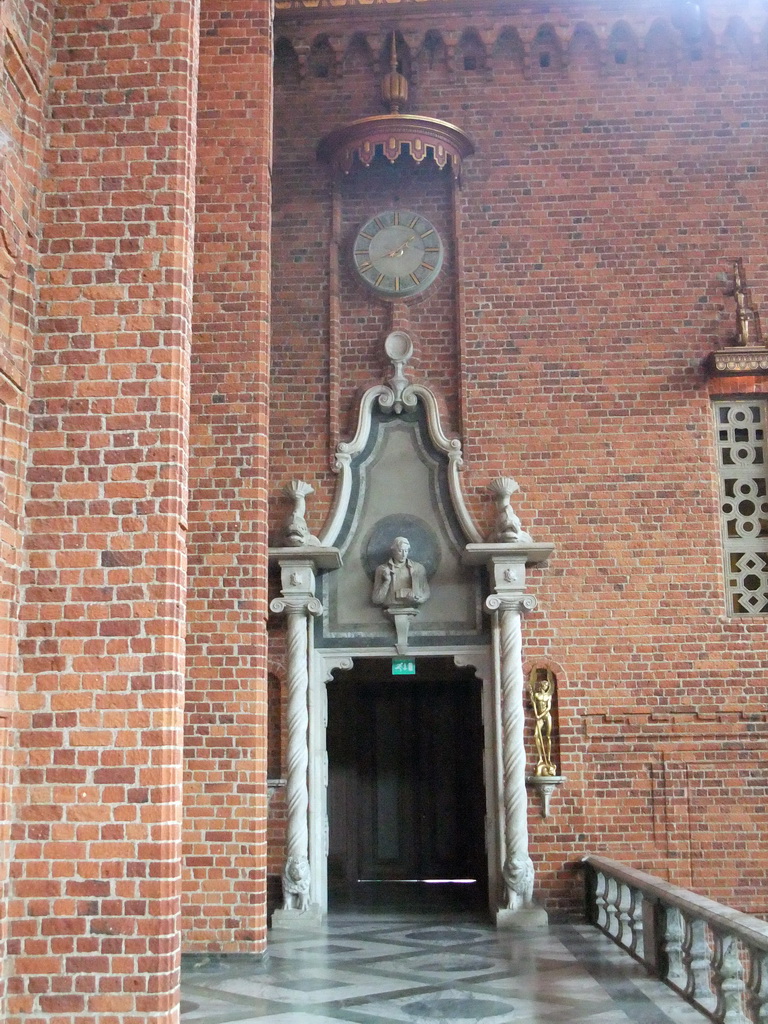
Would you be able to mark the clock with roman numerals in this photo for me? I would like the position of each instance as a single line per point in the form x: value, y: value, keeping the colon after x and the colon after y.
x: 398, y: 253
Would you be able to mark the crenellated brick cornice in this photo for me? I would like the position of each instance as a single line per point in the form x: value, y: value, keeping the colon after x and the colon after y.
x: 603, y: 33
x: 598, y: 14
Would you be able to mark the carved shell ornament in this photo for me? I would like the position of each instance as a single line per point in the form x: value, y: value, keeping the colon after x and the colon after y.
x: 507, y: 529
x: 296, y: 532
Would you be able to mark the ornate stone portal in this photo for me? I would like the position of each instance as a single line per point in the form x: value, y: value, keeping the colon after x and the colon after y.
x: 413, y: 578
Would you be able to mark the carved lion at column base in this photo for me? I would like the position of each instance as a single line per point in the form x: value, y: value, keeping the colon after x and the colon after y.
x: 296, y: 881
x: 518, y: 879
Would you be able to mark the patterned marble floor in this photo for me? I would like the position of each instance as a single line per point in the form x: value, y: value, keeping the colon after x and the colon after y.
x: 381, y: 969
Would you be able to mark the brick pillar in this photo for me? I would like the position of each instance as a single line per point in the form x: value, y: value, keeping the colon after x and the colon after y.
x: 97, y: 865
x: 225, y: 781
x: 25, y: 32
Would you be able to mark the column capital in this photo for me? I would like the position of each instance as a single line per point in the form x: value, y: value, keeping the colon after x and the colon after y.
x: 512, y: 601
x: 506, y: 567
x: 296, y: 604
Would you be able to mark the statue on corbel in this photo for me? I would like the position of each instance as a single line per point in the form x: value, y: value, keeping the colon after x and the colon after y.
x: 541, y: 694
x: 541, y: 690
x: 746, y: 353
x: 748, y: 331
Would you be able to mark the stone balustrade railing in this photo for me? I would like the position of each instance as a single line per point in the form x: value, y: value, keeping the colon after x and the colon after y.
x: 716, y: 958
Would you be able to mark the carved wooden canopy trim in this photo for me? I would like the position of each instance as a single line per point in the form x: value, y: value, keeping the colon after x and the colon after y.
x: 425, y: 138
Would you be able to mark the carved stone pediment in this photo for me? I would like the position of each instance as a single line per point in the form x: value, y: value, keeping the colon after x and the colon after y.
x: 399, y: 477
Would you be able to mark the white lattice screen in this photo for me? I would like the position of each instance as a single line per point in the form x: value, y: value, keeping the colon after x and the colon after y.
x: 743, y: 464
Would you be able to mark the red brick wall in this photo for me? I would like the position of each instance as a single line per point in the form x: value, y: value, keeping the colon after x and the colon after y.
x: 684, y: 788
x: 599, y: 218
x: 24, y: 41
x: 97, y: 868
x: 225, y: 783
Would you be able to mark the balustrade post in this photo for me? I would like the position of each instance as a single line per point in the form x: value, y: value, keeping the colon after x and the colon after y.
x: 624, y: 919
x: 612, y: 908
x: 674, y: 932
x: 601, y: 888
x: 697, y: 960
x: 757, y: 986
x: 728, y: 980
x: 636, y: 922
x: 653, y: 934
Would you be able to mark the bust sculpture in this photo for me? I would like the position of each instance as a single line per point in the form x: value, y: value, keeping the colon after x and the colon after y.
x: 400, y: 582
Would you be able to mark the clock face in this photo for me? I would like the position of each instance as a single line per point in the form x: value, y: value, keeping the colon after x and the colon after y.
x: 398, y: 253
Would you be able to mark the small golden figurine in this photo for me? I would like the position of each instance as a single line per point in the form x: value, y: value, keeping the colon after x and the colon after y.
x: 541, y: 691
x: 747, y: 315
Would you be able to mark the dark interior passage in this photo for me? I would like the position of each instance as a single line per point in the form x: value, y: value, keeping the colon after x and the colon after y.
x: 406, y: 800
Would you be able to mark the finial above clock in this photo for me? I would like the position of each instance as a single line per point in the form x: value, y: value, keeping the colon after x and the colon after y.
x: 395, y: 135
x: 394, y: 86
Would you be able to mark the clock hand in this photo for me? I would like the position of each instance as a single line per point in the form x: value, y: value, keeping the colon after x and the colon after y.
x: 397, y: 253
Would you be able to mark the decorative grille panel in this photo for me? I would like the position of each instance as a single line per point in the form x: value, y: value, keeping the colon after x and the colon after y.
x: 743, y: 456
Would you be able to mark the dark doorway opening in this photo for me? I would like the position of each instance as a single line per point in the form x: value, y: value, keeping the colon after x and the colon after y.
x: 406, y: 800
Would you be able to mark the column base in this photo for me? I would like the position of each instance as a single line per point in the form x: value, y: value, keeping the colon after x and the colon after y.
x: 310, y: 920
x: 526, y: 919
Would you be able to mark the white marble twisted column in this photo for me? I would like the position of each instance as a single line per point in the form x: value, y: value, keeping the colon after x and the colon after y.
x: 506, y: 563
x: 517, y: 870
x: 296, y: 875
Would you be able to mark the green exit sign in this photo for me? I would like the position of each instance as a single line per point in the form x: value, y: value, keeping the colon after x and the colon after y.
x: 403, y: 666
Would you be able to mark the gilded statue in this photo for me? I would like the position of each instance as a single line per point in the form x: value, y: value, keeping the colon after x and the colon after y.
x: 540, y: 692
x: 747, y: 316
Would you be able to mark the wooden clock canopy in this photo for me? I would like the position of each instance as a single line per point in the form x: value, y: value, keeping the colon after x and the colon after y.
x: 394, y: 134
